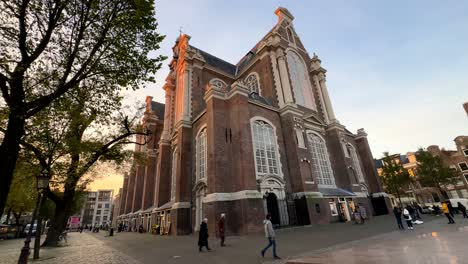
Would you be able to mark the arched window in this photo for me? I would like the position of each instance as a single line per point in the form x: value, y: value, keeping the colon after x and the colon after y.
x: 201, y: 155
x: 300, y: 81
x: 218, y: 84
x: 252, y: 83
x: 320, y: 160
x: 174, y: 174
x: 265, y: 148
x: 291, y: 36
x: 356, y: 164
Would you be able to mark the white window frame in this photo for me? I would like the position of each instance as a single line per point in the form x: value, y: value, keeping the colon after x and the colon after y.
x: 333, y: 208
x: 301, y: 85
x: 356, y: 162
x: 300, y: 138
x: 461, y: 167
x: 465, y: 152
x: 248, y: 82
x: 321, y: 165
x: 201, y: 154
x: 174, y: 173
x: 275, y: 145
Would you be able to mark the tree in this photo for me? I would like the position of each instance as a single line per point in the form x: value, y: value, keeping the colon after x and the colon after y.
x: 51, y: 47
x: 70, y: 137
x: 394, y: 176
x: 433, y: 173
x: 23, y: 195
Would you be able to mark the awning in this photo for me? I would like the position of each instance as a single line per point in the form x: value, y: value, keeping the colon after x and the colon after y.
x: 334, y: 192
x: 165, y: 206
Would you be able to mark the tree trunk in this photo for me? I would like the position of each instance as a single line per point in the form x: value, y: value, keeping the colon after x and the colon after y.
x: 59, y: 222
x: 399, y: 198
x: 7, y: 221
x: 9, y: 151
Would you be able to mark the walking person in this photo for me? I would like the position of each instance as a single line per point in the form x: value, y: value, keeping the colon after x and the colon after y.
x: 407, y: 216
x: 397, y: 213
x: 221, y: 228
x: 446, y: 211
x: 450, y: 207
x: 363, y: 213
x: 203, y: 236
x: 270, y: 234
x: 462, y: 208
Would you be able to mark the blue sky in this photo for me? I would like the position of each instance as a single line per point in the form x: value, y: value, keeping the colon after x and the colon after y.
x: 399, y: 69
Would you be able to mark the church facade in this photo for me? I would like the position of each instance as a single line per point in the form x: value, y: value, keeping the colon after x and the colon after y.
x: 247, y: 139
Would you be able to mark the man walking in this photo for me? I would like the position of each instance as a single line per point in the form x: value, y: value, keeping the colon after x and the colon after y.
x: 270, y: 234
x: 397, y: 213
x: 203, y: 236
x: 221, y: 229
x: 446, y: 211
x: 462, y: 209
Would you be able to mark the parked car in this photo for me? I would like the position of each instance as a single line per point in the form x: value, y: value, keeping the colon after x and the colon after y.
x: 427, y: 210
x: 7, y: 231
x: 28, y: 226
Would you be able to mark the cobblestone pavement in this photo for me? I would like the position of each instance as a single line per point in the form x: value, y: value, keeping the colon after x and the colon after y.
x: 80, y: 249
x: 435, y: 242
x: 293, y: 243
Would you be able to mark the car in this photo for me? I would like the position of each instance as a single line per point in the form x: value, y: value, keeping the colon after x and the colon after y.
x: 28, y: 226
x: 427, y: 210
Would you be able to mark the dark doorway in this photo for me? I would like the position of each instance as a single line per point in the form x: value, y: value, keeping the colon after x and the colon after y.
x: 272, y: 208
x: 302, y: 211
x: 379, y: 205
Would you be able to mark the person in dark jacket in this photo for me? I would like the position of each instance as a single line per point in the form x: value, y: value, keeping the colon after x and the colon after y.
x: 203, y: 236
x: 451, y: 209
x: 397, y: 213
x: 462, y: 209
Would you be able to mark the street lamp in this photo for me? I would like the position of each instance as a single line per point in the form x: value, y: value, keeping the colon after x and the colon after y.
x: 42, y: 184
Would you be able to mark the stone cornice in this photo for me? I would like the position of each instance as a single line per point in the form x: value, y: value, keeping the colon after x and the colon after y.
x: 291, y: 109
x: 182, y: 123
x: 272, y: 108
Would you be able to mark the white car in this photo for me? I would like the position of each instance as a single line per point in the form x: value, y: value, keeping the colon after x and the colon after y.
x: 28, y: 226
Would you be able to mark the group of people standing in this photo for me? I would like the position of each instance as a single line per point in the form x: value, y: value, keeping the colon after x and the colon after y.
x: 203, y: 234
x: 410, y: 213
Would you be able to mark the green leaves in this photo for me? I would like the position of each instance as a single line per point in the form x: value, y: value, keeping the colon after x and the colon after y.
x: 432, y: 172
x: 394, y: 176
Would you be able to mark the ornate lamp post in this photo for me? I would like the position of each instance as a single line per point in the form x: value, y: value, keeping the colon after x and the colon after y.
x: 42, y: 184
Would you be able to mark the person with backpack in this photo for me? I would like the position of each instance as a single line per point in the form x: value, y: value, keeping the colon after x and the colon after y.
x: 408, y: 219
x: 270, y: 235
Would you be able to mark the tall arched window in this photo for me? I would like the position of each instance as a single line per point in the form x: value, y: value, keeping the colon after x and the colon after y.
x: 356, y: 164
x: 252, y: 83
x: 265, y: 148
x: 320, y: 160
x: 174, y: 174
x: 201, y: 154
x: 300, y: 81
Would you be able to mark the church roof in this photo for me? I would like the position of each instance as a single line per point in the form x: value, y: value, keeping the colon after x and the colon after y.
x: 158, y: 109
x: 217, y: 62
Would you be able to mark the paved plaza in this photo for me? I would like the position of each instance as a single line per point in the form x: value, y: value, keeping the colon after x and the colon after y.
x: 377, y: 241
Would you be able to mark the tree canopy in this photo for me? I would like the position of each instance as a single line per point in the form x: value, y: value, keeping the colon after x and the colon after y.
x: 432, y: 172
x: 51, y: 47
x: 394, y: 176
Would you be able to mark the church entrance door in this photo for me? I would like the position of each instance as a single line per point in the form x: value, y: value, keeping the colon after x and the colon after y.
x: 272, y: 208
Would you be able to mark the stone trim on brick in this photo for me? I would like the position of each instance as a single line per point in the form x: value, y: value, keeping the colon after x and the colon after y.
x: 245, y: 194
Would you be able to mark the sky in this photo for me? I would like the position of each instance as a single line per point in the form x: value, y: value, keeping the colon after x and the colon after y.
x: 398, y: 69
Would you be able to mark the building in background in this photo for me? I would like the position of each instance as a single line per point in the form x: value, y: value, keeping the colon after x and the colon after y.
x: 247, y: 139
x: 116, y: 208
x: 98, y: 208
x: 455, y: 159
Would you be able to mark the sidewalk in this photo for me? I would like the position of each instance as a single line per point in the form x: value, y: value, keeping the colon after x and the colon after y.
x: 81, y: 248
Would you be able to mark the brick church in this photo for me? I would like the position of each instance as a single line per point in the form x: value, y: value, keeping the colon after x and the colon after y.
x: 246, y: 139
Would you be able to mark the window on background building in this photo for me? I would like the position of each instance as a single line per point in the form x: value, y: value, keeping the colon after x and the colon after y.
x: 300, y: 81
x: 463, y: 166
x: 356, y: 163
x: 98, y: 218
x: 201, y: 154
x: 91, y: 206
x: 106, y: 205
x: 99, y: 206
x: 98, y: 212
x: 265, y: 148
x: 465, y: 152
x: 104, y: 218
x: 174, y: 174
x: 320, y: 160
x: 252, y: 83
